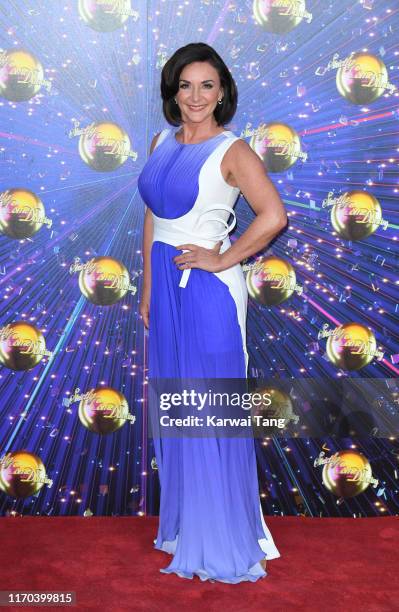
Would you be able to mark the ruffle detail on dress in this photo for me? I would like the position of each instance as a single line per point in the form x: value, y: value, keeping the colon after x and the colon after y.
x: 254, y: 573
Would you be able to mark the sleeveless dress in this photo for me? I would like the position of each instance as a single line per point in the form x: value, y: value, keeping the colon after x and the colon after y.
x: 210, y: 516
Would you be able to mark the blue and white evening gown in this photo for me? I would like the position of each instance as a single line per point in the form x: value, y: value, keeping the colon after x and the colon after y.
x: 210, y: 516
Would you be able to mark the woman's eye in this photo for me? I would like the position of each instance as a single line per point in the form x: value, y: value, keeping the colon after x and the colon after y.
x: 207, y: 85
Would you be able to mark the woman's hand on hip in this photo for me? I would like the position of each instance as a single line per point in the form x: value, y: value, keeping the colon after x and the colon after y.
x: 199, y: 257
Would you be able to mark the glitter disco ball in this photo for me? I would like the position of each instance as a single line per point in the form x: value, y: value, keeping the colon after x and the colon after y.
x: 352, y: 346
x: 279, y: 16
x: 105, y: 15
x: 104, y: 280
x: 272, y: 404
x: 21, y: 75
x: 22, y: 474
x: 271, y: 281
x: 347, y: 474
x: 356, y: 215
x: 277, y: 144
x: 22, y: 213
x: 362, y: 78
x: 22, y: 346
x: 104, y: 146
x: 103, y: 410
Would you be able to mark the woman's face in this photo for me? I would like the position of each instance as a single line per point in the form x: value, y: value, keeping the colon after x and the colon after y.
x: 199, y: 92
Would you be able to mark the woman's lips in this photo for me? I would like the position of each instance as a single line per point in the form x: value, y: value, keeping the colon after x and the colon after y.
x: 196, y: 108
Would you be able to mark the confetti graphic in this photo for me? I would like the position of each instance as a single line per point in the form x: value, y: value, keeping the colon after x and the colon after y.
x: 79, y: 105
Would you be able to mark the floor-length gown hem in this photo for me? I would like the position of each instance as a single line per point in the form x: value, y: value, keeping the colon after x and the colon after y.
x: 254, y: 573
x: 267, y: 546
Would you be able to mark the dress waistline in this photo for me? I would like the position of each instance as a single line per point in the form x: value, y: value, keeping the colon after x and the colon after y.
x: 174, y: 233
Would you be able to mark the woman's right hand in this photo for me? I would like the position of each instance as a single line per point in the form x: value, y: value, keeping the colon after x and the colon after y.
x: 144, y: 310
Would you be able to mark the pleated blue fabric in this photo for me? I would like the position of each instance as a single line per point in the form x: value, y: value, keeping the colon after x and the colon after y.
x: 210, y: 516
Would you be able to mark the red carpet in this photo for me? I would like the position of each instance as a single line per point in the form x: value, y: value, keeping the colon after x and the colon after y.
x: 326, y: 564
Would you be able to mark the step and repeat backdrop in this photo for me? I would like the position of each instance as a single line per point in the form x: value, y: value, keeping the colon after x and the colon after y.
x: 79, y: 105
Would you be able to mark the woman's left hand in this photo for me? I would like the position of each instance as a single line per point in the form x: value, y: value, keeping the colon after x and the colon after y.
x: 199, y: 257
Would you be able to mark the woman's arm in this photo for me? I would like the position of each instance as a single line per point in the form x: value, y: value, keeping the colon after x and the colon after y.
x: 147, y: 242
x: 144, y: 307
x: 249, y: 174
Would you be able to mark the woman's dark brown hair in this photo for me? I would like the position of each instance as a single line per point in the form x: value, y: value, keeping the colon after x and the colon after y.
x: 196, y: 52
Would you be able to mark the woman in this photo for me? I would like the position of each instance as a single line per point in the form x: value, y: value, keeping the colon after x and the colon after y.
x: 194, y: 303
